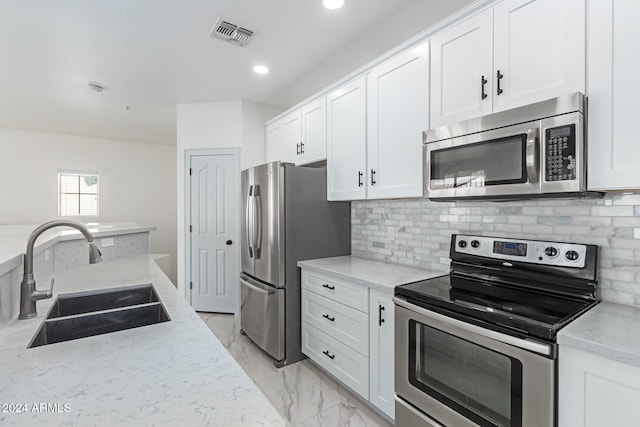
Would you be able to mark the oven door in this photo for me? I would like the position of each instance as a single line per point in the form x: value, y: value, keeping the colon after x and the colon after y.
x: 461, y: 374
x: 496, y: 163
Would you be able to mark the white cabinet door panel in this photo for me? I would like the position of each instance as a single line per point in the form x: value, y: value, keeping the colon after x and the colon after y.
x: 346, y: 324
x: 341, y: 361
x: 314, y: 131
x: 344, y: 292
x: 346, y: 142
x: 291, y: 137
x: 595, y: 392
x: 273, y: 151
x: 381, y: 374
x: 460, y: 57
x: 397, y: 114
x: 539, y: 47
x: 613, y: 94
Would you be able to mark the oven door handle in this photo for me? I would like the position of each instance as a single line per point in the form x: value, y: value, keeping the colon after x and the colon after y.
x: 488, y: 333
x: 532, y: 154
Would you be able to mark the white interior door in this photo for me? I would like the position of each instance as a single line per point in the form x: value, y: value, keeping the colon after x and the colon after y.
x: 214, y: 233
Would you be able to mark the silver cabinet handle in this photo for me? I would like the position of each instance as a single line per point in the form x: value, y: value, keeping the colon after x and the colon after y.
x: 532, y: 154
x: 255, y: 288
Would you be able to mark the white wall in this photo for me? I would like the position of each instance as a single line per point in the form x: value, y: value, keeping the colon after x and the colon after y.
x: 227, y: 124
x: 136, y: 181
x: 405, y: 23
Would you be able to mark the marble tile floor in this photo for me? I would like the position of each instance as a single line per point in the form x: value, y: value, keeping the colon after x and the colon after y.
x: 302, y: 393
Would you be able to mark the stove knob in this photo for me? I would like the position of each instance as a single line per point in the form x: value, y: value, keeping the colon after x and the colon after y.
x: 475, y: 244
x: 462, y: 243
x: 551, y: 252
x: 571, y: 255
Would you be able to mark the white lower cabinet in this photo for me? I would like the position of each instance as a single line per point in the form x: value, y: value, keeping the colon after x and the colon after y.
x: 381, y: 360
x: 594, y: 391
x: 347, y: 325
x: 347, y: 329
x: 338, y: 359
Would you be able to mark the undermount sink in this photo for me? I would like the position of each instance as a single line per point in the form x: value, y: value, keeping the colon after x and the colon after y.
x: 76, y: 316
x: 105, y: 299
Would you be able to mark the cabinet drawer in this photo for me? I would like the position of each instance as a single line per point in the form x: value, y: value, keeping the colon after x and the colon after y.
x: 344, y: 292
x: 345, y: 324
x: 344, y: 363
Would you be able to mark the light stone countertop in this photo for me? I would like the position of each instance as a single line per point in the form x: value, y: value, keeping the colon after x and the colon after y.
x: 13, y: 238
x: 175, y: 373
x: 608, y: 330
x: 377, y: 274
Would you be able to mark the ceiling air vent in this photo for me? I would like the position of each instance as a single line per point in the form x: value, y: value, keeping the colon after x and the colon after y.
x: 225, y: 30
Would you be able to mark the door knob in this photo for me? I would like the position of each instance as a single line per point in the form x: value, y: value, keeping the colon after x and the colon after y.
x: 228, y: 242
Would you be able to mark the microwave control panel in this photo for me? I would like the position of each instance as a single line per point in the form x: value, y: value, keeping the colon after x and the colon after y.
x: 560, y: 153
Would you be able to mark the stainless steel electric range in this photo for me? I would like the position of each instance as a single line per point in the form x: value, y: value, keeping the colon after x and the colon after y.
x: 477, y: 347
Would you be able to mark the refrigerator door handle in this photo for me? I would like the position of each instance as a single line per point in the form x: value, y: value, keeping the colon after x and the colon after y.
x: 257, y: 240
x: 249, y: 221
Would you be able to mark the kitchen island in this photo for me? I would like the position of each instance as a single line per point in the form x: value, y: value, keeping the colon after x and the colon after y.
x: 175, y: 373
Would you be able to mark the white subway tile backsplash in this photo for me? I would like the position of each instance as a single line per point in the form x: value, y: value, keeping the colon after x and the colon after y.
x: 424, y: 232
x: 612, y: 210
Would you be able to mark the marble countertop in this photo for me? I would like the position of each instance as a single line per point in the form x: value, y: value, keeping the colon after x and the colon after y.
x: 13, y: 238
x: 608, y: 330
x: 377, y: 274
x: 175, y: 373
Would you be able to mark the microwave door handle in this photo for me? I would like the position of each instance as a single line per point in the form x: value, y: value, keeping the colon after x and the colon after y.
x: 248, y: 220
x: 532, y: 154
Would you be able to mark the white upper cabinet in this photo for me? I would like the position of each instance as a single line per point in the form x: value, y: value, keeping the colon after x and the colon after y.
x: 301, y: 135
x: 397, y: 114
x: 614, y: 90
x: 461, y: 70
x: 291, y: 136
x: 314, y: 132
x: 273, y: 150
x: 346, y: 142
x: 517, y: 53
x: 539, y: 50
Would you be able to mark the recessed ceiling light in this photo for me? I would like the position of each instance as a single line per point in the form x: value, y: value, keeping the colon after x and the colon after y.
x: 261, y: 69
x: 333, y: 4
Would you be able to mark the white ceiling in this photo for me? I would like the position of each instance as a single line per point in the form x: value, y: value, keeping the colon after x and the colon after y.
x: 153, y: 54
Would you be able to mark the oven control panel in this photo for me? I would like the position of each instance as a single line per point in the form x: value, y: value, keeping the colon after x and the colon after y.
x: 532, y: 251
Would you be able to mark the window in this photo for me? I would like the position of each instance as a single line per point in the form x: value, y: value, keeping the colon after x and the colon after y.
x: 77, y: 193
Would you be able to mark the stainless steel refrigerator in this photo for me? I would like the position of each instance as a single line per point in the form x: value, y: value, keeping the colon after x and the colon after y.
x: 286, y: 219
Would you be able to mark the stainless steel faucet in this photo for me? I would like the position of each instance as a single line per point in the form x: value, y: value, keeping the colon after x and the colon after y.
x: 28, y: 292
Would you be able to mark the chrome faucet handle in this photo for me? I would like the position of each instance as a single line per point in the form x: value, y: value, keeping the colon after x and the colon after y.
x: 38, y: 295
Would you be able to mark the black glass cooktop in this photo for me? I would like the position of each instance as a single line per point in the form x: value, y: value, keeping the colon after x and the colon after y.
x: 508, y: 309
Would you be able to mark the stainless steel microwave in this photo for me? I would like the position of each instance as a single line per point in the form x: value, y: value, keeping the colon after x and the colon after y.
x: 533, y: 151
